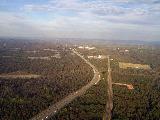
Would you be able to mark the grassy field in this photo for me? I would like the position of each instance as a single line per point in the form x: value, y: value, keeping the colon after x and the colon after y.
x: 131, y: 65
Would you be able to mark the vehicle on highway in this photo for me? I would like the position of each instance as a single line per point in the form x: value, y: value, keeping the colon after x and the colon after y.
x: 95, y: 83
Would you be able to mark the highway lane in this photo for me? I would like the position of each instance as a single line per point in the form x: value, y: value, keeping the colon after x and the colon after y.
x: 52, y: 110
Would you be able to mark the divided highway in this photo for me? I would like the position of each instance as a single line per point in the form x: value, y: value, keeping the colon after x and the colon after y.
x: 52, y: 110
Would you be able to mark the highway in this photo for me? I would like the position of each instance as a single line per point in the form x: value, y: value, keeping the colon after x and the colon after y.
x: 109, y: 102
x: 53, y: 109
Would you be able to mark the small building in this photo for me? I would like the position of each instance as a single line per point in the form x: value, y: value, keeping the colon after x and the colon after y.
x: 97, y: 57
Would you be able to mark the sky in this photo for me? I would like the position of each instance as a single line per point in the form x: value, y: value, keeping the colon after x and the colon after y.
x: 93, y: 19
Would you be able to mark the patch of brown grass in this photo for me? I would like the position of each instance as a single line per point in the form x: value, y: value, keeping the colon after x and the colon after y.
x: 135, y: 66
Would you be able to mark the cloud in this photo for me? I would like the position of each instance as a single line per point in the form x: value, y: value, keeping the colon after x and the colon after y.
x: 75, y: 5
x: 135, y: 9
x: 12, y: 24
x: 118, y: 19
x: 100, y: 7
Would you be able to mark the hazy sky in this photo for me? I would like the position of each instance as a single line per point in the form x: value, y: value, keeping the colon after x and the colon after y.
x: 106, y: 19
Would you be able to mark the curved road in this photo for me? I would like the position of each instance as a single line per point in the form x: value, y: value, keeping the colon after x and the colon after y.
x: 52, y: 110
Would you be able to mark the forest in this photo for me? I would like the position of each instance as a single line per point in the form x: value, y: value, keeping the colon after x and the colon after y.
x: 141, y: 103
x: 22, y: 98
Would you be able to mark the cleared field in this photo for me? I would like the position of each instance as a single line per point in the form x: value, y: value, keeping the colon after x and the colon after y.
x: 131, y: 65
x: 18, y: 74
x: 41, y: 58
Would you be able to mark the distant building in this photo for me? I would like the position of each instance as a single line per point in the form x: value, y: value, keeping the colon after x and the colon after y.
x: 48, y: 49
x: 97, y: 57
x: 86, y: 47
x: 56, y: 56
x: 81, y: 47
x: 126, y: 50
